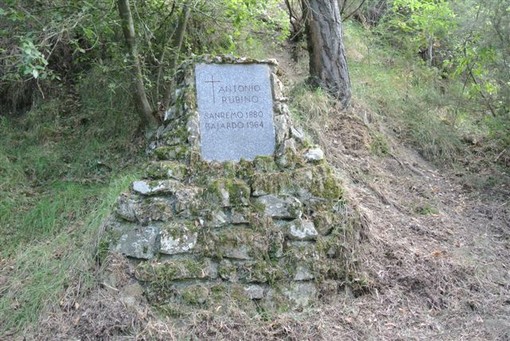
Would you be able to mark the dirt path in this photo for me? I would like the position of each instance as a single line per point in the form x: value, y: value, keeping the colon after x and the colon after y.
x: 439, y: 256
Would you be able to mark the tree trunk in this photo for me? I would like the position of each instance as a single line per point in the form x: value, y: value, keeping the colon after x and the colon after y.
x: 177, y: 44
x: 144, y: 109
x: 328, y: 66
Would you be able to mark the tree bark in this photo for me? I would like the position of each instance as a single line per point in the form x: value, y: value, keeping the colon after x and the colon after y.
x: 177, y: 44
x: 144, y: 108
x: 328, y: 65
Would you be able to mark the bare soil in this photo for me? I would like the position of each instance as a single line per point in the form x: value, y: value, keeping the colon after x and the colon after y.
x: 435, y: 256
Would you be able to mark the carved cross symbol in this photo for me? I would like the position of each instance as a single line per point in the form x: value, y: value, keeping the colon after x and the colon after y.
x: 212, y: 81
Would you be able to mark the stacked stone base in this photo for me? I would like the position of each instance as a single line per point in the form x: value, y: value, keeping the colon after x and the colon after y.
x: 273, y: 232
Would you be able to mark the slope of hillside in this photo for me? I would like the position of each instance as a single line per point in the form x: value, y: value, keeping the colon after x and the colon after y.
x: 435, y: 252
x: 435, y: 256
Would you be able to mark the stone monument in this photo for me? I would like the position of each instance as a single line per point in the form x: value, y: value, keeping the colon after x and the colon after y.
x: 236, y: 205
x: 235, y: 106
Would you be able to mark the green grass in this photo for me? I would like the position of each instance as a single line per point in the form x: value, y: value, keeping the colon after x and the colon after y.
x: 412, y: 95
x: 44, y: 268
x: 62, y: 166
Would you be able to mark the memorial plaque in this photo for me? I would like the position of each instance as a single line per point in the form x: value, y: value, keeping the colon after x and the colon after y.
x: 235, y: 106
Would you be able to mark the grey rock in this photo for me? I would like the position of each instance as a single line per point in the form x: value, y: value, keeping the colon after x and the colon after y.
x: 166, y: 170
x: 177, y: 240
x: 254, y: 292
x: 147, y: 187
x: 301, y: 294
x: 211, y: 269
x: 227, y: 271
x: 186, y: 198
x: 241, y: 252
x: 170, y: 114
x: 303, y: 274
x: 281, y: 207
x: 314, y: 154
x: 228, y: 193
x: 141, y: 243
x: 277, y: 89
x: 216, y: 219
x: 155, y: 209
x: 302, y: 230
x: 127, y: 206
x: 195, y: 294
x: 277, y: 239
x: 286, y: 153
x: 282, y: 109
x: 132, y: 208
x: 193, y: 128
x: 297, y: 134
x: 132, y: 295
x: 240, y: 215
x: 282, y: 128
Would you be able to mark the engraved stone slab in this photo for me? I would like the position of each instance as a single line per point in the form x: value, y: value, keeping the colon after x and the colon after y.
x: 235, y: 106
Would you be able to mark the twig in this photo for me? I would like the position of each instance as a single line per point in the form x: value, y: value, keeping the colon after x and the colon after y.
x: 500, y: 154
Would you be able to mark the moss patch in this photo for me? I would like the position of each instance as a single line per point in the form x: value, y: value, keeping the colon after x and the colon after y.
x: 228, y: 192
x: 169, y: 271
x: 166, y: 170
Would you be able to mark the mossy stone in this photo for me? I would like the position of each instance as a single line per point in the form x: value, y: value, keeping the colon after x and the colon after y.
x: 234, y: 243
x: 169, y: 271
x: 317, y: 180
x: 166, y: 170
x: 178, y: 152
x: 325, y: 183
x: 195, y: 294
x: 228, y: 192
x: 265, y: 164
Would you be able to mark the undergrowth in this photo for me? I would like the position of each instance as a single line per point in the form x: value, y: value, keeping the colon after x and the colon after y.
x: 424, y: 110
x: 62, y: 166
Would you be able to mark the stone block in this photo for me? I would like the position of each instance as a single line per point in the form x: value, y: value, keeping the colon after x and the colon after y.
x: 281, y: 124
x: 254, y: 292
x: 235, y: 105
x: 178, y: 152
x: 280, y: 207
x: 228, y: 192
x: 292, y: 182
x: 127, y: 207
x: 141, y: 243
x: 277, y: 89
x: 187, y: 199
x: 300, y: 294
x: 314, y: 155
x: 196, y: 294
x: 287, y: 155
x: 234, y: 243
x: 215, y: 219
x: 260, y: 271
x: 240, y: 215
x: 166, y: 170
x: 176, y: 270
x: 144, y: 210
x: 297, y: 134
x: 300, y: 229
x: 155, y: 187
x: 177, y: 238
x: 303, y: 273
